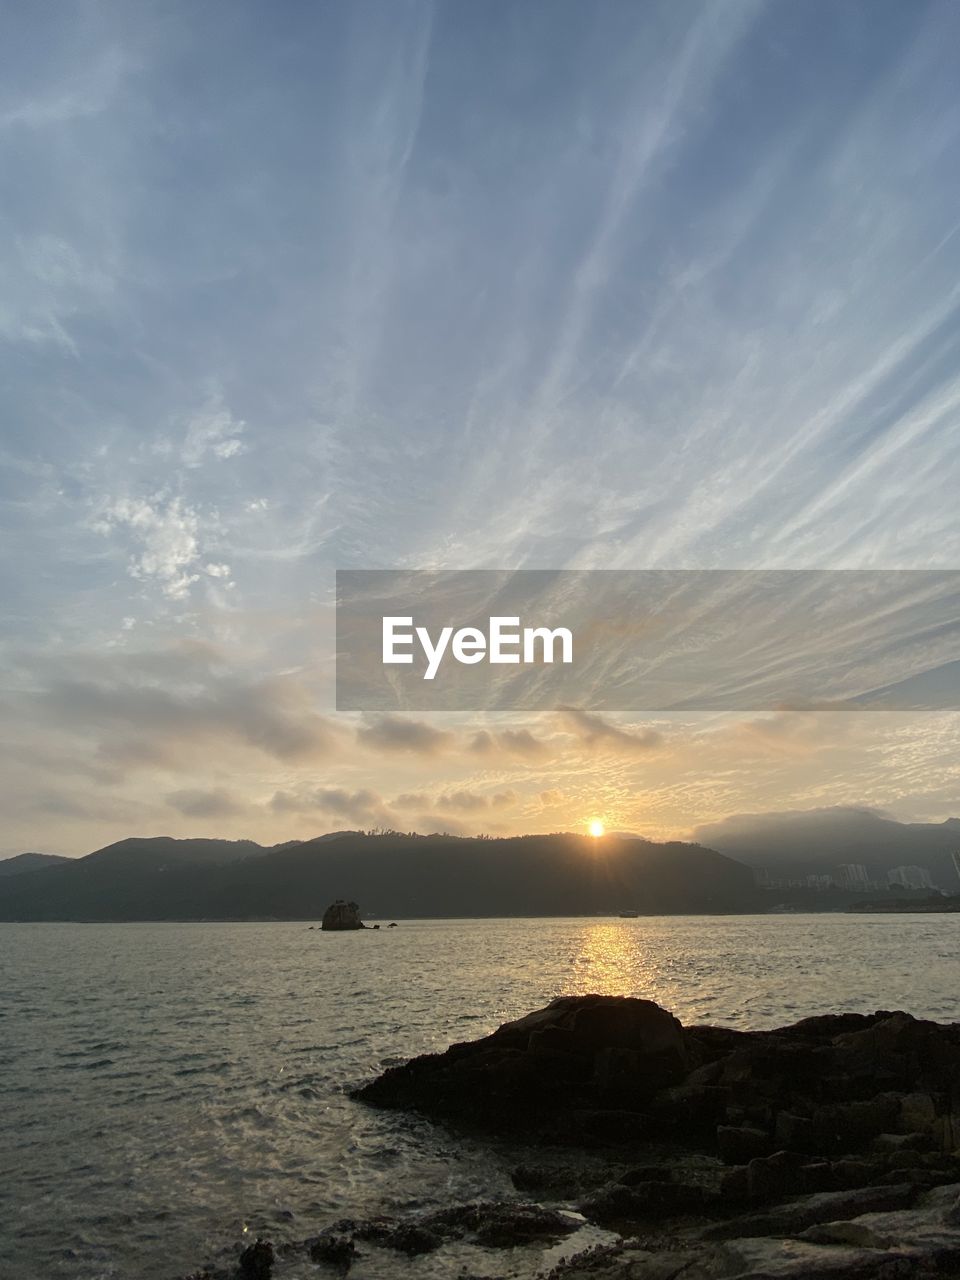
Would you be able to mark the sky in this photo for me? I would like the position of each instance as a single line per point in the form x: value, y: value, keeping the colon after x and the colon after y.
x: 391, y: 284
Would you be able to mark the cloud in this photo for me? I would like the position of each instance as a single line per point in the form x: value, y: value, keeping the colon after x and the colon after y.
x: 411, y: 800
x: 217, y: 803
x: 359, y: 806
x: 596, y: 732
x: 165, y: 531
x: 512, y: 742
x: 145, y: 708
x: 793, y: 733
x: 462, y: 802
x: 212, y: 433
x: 84, y: 89
x: 397, y: 733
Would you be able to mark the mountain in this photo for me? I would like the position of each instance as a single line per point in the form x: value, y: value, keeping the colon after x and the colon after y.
x: 388, y: 874
x: 29, y: 862
x: 164, y: 852
x: 817, y: 840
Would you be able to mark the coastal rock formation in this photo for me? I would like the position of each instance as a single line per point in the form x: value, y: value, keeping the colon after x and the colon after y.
x: 884, y: 1244
x: 883, y: 1087
x: 830, y: 1148
x: 834, y: 1135
x: 583, y: 1052
x: 342, y: 915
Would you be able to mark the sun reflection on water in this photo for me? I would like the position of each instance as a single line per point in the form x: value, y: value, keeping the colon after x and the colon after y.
x: 613, y: 961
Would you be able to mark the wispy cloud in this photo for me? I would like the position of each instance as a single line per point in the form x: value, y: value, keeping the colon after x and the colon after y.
x: 549, y: 285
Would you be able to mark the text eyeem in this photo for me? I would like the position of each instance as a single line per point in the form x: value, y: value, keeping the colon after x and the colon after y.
x: 504, y: 641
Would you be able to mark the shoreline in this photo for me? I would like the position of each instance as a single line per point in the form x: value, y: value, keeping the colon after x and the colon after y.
x: 829, y: 1147
x: 607, y: 917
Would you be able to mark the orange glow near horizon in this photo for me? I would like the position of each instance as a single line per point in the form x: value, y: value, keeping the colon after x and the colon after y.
x: 596, y: 828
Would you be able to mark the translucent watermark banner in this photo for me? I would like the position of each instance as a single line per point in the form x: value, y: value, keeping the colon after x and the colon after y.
x: 647, y: 640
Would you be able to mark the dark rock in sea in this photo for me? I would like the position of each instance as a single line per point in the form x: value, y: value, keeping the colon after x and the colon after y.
x: 256, y: 1261
x: 580, y: 1053
x: 620, y: 1206
x: 413, y: 1240
x: 342, y: 915
x: 646, y: 1173
x: 596, y: 1070
x: 334, y: 1251
x: 546, y: 1178
x: 493, y: 1225
x: 824, y: 1127
x: 501, y: 1226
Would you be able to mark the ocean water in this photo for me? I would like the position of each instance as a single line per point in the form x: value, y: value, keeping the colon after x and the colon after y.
x: 169, y: 1091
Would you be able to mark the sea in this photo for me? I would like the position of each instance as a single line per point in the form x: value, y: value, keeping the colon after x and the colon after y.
x: 170, y: 1091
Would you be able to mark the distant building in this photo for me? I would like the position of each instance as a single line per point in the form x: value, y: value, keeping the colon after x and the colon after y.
x: 820, y: 882
x: 853, y: 875
x: 911, y: 878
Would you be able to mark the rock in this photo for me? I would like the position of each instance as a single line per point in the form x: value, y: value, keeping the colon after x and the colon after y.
x: 852, y: 1233
x: 796, y: 1133
x: 916, y: 1175
x: 741, y: 1143
x: 918, y: 1113
x: 334, y: 1251
x: 413, y: 1240
x: 819, y: 1176
x: 256, y: 1261
x: 592, y: 1071
x: 618, y: 1204
x: 842, y: 1129
x: 620, y: 1034
x: 764, y: 1259
x: 897, y: 1244
x: 501, y: 1225
x: 896, y: 1142
x: 546, y: 1177
x: 567, y: 1061
x: 776, y: 1176
x: 342, y: 915
x: 796, y: 1215
x: 646, y: 1173
x: 690, y: 1109
x: 848, y: 1174
x: 735, y: 1185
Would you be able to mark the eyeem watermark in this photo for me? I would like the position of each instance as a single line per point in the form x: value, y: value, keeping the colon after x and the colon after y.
x: 503, y: 643
x: 648, y: 640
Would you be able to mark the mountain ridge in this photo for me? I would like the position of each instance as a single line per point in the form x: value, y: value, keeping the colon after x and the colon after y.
x: 389, y: 873
x: 809, y: 841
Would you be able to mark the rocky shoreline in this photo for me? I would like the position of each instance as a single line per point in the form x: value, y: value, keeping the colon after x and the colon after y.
x: 828, y: 1148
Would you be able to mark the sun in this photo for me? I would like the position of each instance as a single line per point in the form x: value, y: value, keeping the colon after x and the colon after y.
x: 596, y: 828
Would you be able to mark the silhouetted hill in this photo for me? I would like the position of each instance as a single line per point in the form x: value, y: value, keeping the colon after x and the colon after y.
x: 817, y: 840
x: 163, y: 852
x: 389, y: 875
x: 29, y: 862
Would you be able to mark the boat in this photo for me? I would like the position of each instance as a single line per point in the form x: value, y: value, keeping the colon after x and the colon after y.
x: 628, y: 915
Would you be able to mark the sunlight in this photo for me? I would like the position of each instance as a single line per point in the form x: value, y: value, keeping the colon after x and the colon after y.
x: 596, y: 828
